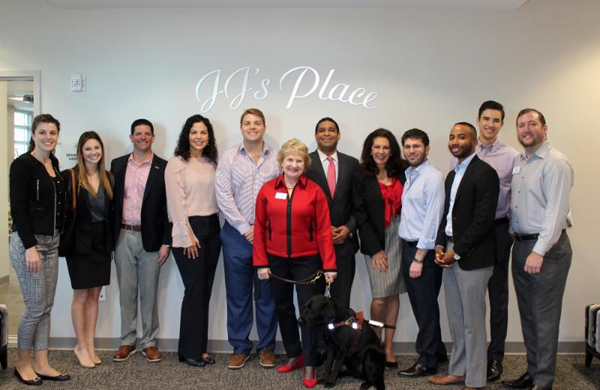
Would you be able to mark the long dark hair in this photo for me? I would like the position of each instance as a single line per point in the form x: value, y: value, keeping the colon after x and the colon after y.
x: 393, y: 166
x: 42, y: 118
x: 183, y: 144
x: 106, y: 178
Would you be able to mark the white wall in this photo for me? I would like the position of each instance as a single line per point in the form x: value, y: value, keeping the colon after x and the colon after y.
x: 430, y: 69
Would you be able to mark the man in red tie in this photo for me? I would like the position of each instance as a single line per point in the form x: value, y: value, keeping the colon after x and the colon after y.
x: 333, y: 172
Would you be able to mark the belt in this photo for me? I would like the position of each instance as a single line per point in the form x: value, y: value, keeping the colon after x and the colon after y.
x: 529, y: 237
x: 411, y: 244
x: 135, y: 228
x: 526, y: 237
x: 501, y: 221
x: 451, y: 239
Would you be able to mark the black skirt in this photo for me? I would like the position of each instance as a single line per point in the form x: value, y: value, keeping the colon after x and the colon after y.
x: 91, y: 269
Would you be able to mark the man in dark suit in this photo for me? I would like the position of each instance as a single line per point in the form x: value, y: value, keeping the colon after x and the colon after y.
x: 466, y: 237
x: 142, y: 237
x: 333, y: 172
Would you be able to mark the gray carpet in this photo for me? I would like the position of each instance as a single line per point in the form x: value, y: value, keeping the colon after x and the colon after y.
x: 137, y: 373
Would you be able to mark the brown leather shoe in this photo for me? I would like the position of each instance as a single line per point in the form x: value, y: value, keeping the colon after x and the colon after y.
x: 446, y: 379
x: 472, y: 388
x: 237, y: 360
x: 152, y: 354
x: 123, y: 353
x: 267, y: 358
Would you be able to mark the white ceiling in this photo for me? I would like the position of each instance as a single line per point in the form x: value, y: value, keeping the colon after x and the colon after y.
x: 497, y: 5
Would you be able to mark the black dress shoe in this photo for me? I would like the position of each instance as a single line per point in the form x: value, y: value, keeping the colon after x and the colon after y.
x: 209, y: 361
x: 192, y: 362
x: 31, y: 382
x: 58, y: 378
x: 525, y: 381
x: 494, y: 370
x: 391, y: 364
x: 418, y: 370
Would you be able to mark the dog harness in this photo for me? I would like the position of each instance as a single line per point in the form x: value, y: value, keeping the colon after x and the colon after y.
x: 356, y: 323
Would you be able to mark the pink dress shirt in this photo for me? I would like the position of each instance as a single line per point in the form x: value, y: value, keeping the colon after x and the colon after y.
x: 136, y: 176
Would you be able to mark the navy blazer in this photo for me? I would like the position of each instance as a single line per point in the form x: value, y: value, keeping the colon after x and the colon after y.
x: 341, y: 206
x: 156, y: 229
x: 473, y: 215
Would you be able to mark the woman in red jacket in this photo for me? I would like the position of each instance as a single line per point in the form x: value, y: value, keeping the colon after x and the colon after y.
x: 292, y: 239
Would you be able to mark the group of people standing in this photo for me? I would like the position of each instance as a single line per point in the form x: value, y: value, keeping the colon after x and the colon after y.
x: 294, y: 215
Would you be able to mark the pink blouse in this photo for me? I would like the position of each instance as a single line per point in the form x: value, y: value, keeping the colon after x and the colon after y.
x: 190, y: 189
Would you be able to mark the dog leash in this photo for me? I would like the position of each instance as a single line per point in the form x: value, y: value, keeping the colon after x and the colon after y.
x: 312, y: 279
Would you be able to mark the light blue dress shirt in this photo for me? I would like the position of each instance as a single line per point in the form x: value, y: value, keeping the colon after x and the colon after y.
x: 460, y: 172
x: 422, y: 205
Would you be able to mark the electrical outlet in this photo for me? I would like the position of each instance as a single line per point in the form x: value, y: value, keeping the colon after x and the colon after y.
x: 103, y: 294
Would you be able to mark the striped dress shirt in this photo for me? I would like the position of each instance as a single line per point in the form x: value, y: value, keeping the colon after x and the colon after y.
x: 239, y: 179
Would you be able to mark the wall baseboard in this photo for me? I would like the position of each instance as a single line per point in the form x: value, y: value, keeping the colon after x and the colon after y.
x: 222, y: 346
x: 4, y: 279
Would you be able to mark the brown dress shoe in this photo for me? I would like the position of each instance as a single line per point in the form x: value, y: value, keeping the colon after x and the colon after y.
x: 267, y: 358
x: 237, y: 360
x: 472, y: 388
x: 447, y: 379
x: 123, y: 353
x: 152, y: 354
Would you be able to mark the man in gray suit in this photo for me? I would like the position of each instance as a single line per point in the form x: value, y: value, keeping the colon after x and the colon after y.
x: 333, y: 172
x: 541, y: 185
x: 465, y: 248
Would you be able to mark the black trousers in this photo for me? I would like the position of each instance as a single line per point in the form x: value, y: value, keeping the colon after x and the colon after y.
x: 283, y: 292
x: 198, y: 275
x: 342, y: 286
x: 423, y: 294
x: 498, y: 294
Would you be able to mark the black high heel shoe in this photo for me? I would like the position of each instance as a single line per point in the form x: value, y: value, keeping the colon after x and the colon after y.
x: 31, y: 382
x: 192, y: 362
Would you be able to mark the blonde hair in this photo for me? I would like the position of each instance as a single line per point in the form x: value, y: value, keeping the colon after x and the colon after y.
x: 294, y: 147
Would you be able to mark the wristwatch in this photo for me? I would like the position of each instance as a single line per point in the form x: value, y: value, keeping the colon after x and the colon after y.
x: 456, y: 256
x: 418, y: 261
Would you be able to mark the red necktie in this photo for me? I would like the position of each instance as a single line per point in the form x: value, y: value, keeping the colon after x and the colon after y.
x: 331, y: 176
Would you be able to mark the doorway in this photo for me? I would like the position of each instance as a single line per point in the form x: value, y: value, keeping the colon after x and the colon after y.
x: 19, y: 103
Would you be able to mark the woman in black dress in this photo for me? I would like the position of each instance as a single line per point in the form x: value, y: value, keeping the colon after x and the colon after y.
x: 89, y: 256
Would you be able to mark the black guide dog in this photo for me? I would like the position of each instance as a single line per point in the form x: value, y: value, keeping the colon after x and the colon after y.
x: 349, y: 342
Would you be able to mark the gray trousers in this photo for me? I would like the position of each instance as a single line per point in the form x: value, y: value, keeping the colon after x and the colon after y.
x: 540, y: 304
x: 38, y: 290
x: 466, y: 304
x: 137, y: 271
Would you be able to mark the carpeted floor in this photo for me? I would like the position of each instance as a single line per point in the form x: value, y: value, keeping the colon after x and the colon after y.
x: 137, y: 373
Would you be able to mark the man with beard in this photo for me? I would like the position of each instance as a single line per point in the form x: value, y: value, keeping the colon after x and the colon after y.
x: 333, y: 172
x: 541, y: 182
x: 422, y: 208
x: 466, y: 237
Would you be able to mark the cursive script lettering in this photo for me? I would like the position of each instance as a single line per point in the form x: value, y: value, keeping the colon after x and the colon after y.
x: 305, y: 81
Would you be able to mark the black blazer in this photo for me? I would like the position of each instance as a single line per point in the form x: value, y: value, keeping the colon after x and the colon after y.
x: 33, y: 204
x: 341, y: 207
x: 473, y: 215
x: 370, y: 212
x: 155, y: 221
x: 83, y: 221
